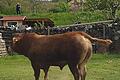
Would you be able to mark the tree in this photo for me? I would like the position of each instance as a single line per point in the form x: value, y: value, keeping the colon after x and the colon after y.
x: 74, y: 5
x: 114, y: 5
x: 104, y: 5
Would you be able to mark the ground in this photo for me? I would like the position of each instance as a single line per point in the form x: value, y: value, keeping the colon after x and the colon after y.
x: 100, y: 67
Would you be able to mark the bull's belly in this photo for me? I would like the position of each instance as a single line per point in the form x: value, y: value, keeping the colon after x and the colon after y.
x: 56, y: 59
x: 60, y: 64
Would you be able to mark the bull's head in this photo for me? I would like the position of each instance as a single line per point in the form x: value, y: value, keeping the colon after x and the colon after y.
x: 16, y: 43
x: 17, y: 37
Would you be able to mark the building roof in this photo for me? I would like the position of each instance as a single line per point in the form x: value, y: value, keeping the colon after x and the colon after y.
x: 12, y: 18
x: 28, y: 21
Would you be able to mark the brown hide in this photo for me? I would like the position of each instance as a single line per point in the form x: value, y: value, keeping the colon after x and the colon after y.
x: 72, y: 48
x: 50, y: 49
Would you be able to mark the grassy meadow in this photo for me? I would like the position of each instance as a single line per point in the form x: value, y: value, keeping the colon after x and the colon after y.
x: 67, y: 18
x: 100, y: 67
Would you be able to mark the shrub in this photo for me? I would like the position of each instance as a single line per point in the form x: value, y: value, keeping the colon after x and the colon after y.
x: 62, y: 7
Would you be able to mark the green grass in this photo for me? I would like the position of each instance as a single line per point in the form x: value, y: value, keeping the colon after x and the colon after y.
x: 100, y: 67
x: 67, y: 18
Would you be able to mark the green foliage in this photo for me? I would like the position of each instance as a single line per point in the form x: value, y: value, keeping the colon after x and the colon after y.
x: 97, y: 4
x: 7, y: 7
x: 62, y: 7
x: 101, y: 4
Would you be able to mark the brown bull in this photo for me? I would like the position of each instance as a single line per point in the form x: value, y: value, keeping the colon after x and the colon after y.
x: 73, y: 49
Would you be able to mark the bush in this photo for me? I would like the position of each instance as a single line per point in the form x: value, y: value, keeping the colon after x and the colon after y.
x: 62, y: 7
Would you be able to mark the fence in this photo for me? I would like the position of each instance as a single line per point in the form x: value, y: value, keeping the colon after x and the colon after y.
x: 103, y: 29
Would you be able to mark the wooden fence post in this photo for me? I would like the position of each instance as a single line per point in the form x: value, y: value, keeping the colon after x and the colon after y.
x: 48, y: 28
x: 104, y: 36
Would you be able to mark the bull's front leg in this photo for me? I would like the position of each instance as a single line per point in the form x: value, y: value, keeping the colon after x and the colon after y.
x: 36, y: 69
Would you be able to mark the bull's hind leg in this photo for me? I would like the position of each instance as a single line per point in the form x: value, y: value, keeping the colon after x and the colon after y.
x: 82, y: 71
x: 36, y: 69
x: 75, y: 71
x: 45, y: 69
x: 82, y: 66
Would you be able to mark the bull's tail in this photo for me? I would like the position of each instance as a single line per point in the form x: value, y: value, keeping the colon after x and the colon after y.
x: 96, y: 40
